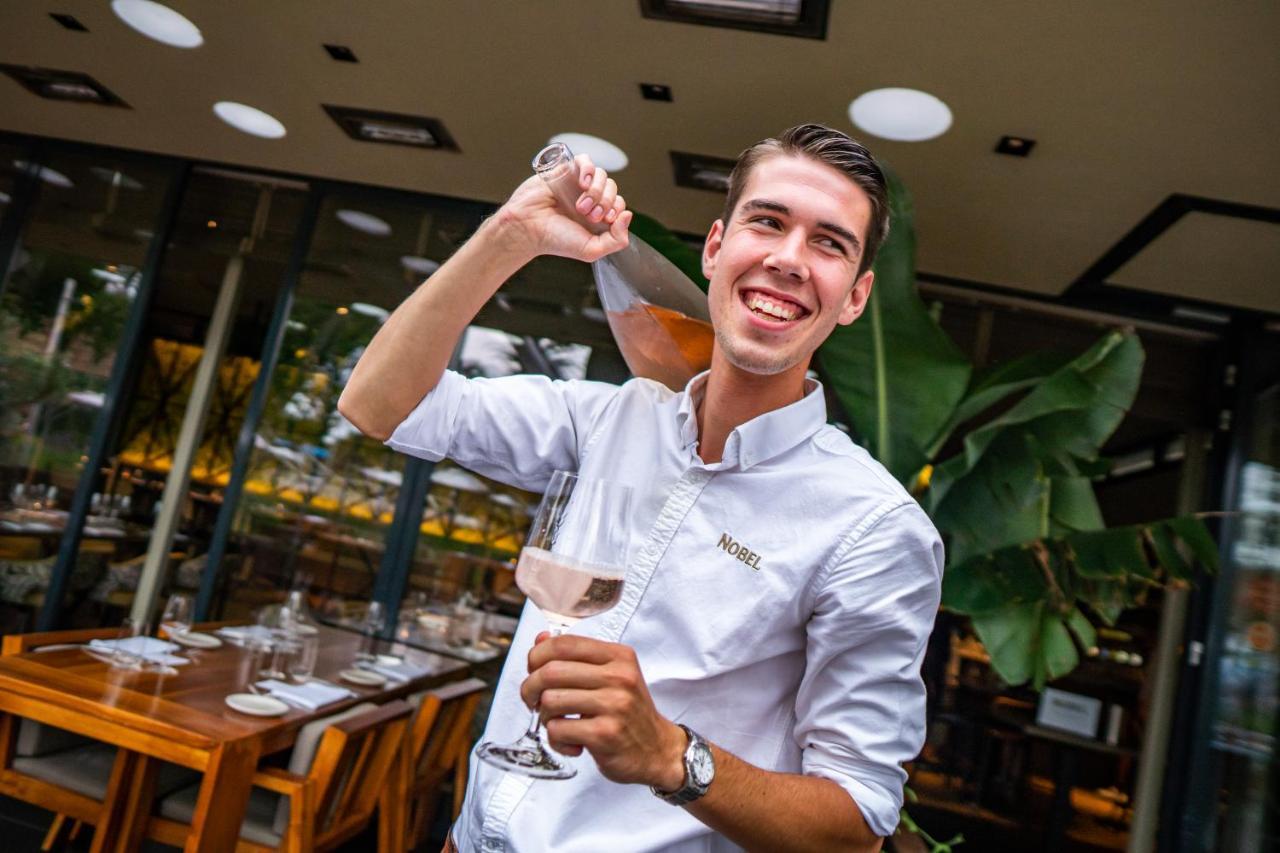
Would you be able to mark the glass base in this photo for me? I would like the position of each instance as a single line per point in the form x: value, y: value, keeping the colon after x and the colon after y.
x: 528, y: 757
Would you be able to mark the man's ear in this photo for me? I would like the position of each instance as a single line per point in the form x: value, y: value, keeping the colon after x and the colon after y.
x: 711, y: 248
x: 858, y: 297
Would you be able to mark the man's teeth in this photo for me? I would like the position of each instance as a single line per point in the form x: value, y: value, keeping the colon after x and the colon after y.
x: 774, y: 309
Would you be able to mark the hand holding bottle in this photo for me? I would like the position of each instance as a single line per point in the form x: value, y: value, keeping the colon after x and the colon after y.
x: 535, y: 220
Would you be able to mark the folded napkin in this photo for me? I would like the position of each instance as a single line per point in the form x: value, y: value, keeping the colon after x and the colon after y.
x: 243, y: 633
x: 148, y: 648
x: 313, y: 695
x: 399, y: 672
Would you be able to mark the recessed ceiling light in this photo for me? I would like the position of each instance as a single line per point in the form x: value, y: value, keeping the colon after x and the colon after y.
x: 249, y: 119
x: 364, y: 222
x: 1015, y: 146
x: 4, y: 198
x: 115, y: 177
x: 376, y: 312
x: 904, y: 115
x: 655, y: 92
x: 58, y: 85
x: 603, y: 153
x: 44, y: 173
x: 700, y: 172
x: 806, y: 18
x: 158, y: 22
x: 392, y: 128
x: 416, y: 263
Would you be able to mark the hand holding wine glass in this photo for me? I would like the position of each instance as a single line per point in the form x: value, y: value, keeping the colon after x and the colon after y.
x: 573, y: 565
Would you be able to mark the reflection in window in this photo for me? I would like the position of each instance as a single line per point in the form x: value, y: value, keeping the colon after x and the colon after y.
x: 320, y: 495
x: 70, y: 288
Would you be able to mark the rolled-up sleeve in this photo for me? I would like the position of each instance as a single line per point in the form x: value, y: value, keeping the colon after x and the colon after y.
x: 514, y: 429
x: 860, y: 709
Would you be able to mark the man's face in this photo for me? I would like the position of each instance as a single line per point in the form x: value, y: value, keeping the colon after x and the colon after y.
x: 783, y: 270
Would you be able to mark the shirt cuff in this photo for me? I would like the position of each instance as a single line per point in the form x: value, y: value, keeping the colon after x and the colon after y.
x: 428, y: 430
x: 879, y: 799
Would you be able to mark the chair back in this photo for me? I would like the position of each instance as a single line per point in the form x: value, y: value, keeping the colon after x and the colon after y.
x: 442, y: 729
x: 438, y: 747
x: 351, y: 765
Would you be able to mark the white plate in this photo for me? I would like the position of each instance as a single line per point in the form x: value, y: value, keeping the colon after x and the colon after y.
x: 196, y: 640
x: 306, y: 630
x: 390, y: 660
x: 257, y: 706
x: 363, y: 677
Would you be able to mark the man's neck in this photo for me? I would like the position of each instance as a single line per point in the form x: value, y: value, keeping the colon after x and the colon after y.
x: 733, y: 396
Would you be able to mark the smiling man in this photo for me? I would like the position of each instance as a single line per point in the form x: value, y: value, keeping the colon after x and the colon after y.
x: 758, y: 684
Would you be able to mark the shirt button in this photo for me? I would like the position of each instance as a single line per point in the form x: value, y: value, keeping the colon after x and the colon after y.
x: 491, y: 843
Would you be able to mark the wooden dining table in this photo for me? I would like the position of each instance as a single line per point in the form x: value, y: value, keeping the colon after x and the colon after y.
x: 183, y: 719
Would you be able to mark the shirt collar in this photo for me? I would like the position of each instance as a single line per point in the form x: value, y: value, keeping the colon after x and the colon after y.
x: 762, y: 437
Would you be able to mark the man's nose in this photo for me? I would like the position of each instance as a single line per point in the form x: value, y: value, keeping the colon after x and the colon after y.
x: 787, y: 257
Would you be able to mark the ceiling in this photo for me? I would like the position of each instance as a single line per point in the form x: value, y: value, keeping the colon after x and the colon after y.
x: 1130, y: 104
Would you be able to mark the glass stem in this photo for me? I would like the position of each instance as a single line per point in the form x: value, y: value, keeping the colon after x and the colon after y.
x: 535, y: 722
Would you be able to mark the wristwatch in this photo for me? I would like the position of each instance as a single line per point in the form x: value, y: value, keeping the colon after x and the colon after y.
x: 699, y: 771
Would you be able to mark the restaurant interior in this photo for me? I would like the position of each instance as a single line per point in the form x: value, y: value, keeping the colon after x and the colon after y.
x: 182, y: 305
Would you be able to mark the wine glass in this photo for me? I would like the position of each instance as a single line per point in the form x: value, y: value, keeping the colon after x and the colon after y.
x: 375, y: 621
x: 573, y: 565
x: 176, y: 618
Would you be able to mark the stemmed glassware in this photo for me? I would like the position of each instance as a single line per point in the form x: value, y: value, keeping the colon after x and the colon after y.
x: 176, y: 618
x: 573, y: 565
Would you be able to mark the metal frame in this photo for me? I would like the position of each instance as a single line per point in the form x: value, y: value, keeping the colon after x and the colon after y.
x: 110, y: 418
x: 257, y: 407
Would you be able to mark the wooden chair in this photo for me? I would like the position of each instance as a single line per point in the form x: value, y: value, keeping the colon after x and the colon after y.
x: 339, y: 767
x: 438, y: 746
x: 55, y: 769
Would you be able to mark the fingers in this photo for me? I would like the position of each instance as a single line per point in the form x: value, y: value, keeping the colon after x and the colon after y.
x: 574, y: 648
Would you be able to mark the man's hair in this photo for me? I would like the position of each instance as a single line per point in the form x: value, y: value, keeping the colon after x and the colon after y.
x: 837, y: 150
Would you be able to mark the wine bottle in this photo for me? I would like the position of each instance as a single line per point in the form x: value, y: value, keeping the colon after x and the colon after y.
x: 658, y: 317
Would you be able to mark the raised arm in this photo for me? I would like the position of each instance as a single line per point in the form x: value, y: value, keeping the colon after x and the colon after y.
x: 407, y: 356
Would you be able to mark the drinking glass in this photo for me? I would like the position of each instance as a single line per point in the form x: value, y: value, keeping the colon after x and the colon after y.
x: 176, y: 618
x: 302, y: 662
x: 573, y: 565
x: 375, y: 620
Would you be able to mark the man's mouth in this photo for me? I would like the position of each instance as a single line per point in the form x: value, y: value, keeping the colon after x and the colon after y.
x: 772, y: 307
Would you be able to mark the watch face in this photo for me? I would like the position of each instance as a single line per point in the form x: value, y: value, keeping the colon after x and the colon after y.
x: 702, y: 767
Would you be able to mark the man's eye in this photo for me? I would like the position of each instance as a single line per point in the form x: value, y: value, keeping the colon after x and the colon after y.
x: 832, y: 244
x: 767, y: 221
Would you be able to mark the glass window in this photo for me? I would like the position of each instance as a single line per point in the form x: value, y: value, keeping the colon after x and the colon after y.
x: 70, y: 287
x: 320, y: 496
x: 232, y: 231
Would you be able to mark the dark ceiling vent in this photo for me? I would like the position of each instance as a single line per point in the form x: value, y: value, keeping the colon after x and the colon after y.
x: 804, y: 18
x: 341, y: 52
x: 655, y: 92
x: 392, y: 128
x: 63, y: 85
x: 700, y: 172
x: 1015, y: 146
x: 69, y: 21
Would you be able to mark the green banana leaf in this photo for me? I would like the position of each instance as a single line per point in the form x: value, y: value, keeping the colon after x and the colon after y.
x: 897, y: 374
x: 1028, y: 601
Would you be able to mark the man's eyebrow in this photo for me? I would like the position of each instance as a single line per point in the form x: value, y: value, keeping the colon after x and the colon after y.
x: 778, y: 207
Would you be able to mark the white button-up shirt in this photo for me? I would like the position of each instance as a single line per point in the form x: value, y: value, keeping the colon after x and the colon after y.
x: 778, y: 601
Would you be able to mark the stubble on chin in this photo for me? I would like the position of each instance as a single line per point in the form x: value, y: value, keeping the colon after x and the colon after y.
x: 761, y: 364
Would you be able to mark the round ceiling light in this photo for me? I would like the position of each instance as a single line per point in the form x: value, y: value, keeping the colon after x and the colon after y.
x: 158, y: 22
x: 904, y: 115
x: 603, y: 153
x: 364, y: 222
x: 4, y: 198
x: 375, y: 311
x: 416, y: 263
x: 115, y: 177
x: 249, y: 119
x: 50, y: 176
